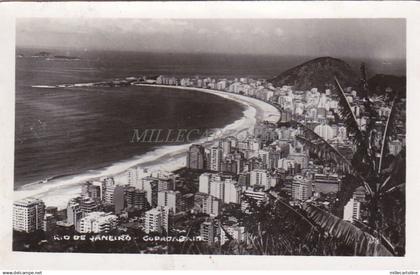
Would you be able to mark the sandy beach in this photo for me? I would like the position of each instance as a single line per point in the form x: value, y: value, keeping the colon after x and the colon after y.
x: 57, y: 192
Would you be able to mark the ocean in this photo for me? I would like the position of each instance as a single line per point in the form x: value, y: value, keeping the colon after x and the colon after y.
x: 62, y: 131
x: 67, y: 131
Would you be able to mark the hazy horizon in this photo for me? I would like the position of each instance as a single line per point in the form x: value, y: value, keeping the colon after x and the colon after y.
x: 342, y: 38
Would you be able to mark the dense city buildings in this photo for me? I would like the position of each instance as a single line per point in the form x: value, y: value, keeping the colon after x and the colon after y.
x: 215, y: 196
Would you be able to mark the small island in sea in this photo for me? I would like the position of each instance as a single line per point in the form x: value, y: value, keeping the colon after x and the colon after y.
x: 303, y: 154
x: 49, y: 56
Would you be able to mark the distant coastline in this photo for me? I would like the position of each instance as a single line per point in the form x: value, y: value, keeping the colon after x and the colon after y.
x: 59, y: 190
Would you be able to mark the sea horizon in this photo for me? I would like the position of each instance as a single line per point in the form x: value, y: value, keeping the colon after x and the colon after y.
x: 275, y: 64
x: 47, y: 100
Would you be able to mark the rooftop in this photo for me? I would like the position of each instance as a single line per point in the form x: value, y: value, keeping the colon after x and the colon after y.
x: 28, y: 201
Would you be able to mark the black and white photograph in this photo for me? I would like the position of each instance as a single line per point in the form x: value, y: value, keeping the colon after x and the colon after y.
x: 210, y: 136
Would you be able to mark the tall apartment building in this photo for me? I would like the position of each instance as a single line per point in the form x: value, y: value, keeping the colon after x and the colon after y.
x: 226, y: 145
x: 301, y: 188
x: 28, y: 215
x: 196, y: 157
x: 132, y: 176
x: 217, y: 188
x: 108, y: 191
x: 209, y: 231
x: 351, y: 210
x: 151, y: 186
x: 49, y: 222
x: 220, y: 186
x: 165, y: 184
x: 204, y: 183
x: 234, y: 166
x: 135, y: 198
x: 207, y: 204
x: 232, y: 192
x: 259, y: 177
x: 92, y: 191
x: 216, y: 155
x: 74, y: 213
x: 171, y: 199
x: 157, y: 220
x: 119, y: 199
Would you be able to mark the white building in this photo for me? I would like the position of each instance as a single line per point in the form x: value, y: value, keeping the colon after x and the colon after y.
x: 204, y: 183
x: 220, y: 186
x: 134, y: 176
x: 217, y: 187
x: 325, y: 131
x: 109, y: 187
x: 351, y: 210
x: 226, y: 146
x: 171, y: 199
x: 234, y: 232
x: 258, y: 196
x: 259, y: 177
x: 211, y: 206
x: 301, y: 188
x: 157, y: 220
x: 97, y: 222
x: 74, y: 213
x: 28, y: 215
x: 216, y: 155
x: 232, y: 192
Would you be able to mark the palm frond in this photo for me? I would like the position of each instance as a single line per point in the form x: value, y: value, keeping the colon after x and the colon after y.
x: 363, y: 242
x: 320, y: 147
x: 347, y: 114
x: 387, y: 133
x: 325, y: 151
x: 395, y: 188
x: 387, y: 243
x: 228, y: 235
x: 394, y: 171
x: 280, y: 202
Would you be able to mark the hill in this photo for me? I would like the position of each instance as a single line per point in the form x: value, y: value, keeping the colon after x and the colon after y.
x: 318, y: 73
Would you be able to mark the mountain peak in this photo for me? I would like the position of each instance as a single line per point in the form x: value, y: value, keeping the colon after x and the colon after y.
x: 318, y: 73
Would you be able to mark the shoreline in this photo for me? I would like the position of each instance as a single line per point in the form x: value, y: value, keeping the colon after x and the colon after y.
x: 272, y: 115
x: 169, y: 158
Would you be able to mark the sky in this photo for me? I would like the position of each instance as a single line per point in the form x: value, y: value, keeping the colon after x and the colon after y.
x: 359, y: 38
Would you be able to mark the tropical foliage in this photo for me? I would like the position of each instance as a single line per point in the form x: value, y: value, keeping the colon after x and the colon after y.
x: 279, y: 229
x: 381, y: 174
